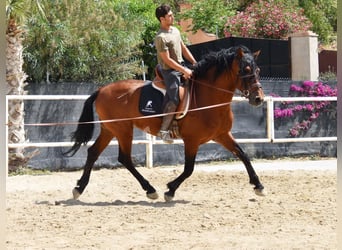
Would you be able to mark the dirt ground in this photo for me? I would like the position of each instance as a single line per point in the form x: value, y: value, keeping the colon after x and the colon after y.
x: 211, y: 210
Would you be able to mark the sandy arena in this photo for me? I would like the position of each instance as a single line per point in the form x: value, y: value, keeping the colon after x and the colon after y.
x: 214, y: 209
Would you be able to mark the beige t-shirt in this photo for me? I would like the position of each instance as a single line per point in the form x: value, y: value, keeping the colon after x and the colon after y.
x: 171, y: 41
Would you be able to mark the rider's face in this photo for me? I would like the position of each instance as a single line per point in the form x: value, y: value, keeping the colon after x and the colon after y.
x: 169, y: 18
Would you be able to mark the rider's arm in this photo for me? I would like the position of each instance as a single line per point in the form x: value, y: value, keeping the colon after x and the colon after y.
x: 165, y: 56
x: 187, y: 54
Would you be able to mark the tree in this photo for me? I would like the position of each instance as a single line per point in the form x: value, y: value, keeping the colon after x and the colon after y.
x: 323, y: 15
x: 87, y: 40
x: 16, y: 12
x: 78, y: 40
x: 209, y: 15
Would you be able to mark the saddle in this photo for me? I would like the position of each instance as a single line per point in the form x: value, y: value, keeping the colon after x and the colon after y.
x: 153, y: 93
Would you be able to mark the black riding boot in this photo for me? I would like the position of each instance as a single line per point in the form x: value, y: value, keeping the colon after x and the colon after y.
x: 164, y: 132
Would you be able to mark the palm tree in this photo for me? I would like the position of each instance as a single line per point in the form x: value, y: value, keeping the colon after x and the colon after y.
x: 16, y: 12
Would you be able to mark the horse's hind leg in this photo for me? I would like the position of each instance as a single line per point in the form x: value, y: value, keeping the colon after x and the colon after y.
x: 93, y: 153
x: 228, y: 142
x: 125, y: 148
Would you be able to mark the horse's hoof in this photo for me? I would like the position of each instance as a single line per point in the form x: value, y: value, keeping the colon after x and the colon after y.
x: 168, y: 197
x: 75, y: 193
x: 260, y: 192
x: 152, y: 196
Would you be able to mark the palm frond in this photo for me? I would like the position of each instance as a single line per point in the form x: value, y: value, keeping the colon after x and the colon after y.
x: 19, y: 10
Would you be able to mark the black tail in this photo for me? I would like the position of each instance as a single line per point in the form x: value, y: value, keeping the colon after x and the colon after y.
x: 84, y: 132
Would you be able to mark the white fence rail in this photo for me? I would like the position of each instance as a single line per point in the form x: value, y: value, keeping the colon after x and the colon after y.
x: 150, y: 140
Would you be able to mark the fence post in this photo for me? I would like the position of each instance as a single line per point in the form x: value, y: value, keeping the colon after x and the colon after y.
x: 149, y: 151
x: 270, y: 119
x: 304, y: 56
x: 3, y: 133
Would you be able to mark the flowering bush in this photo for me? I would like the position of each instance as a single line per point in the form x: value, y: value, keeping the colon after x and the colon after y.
x: 267, y: 19
x: 309, y: 111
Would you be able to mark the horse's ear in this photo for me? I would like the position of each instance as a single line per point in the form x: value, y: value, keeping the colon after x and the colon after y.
x: 256, y: 54
x: 239, y: 53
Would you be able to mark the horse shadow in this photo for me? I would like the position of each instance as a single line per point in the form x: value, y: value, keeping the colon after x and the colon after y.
x: 156, y: 204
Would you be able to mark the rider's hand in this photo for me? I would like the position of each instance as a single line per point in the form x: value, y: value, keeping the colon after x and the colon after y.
x: 187, y: 73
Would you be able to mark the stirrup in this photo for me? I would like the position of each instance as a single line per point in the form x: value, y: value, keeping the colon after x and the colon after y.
x: 165, y: 136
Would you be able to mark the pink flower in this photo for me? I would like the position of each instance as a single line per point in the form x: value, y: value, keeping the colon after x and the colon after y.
x: 314, y: 116
x: 298, y: 108
x: 294, y: 132
x: 309, y: 107
x: 277, y: 113
x: 296, y: 88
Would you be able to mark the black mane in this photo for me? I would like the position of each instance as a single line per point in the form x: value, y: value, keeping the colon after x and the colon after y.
x: 222, y: 60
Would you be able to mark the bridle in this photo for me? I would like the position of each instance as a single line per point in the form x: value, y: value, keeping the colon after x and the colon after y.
x: 245, y: 93
x: 252, y: 76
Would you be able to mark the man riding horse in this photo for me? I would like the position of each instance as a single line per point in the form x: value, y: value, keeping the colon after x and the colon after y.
x: 170, y: 52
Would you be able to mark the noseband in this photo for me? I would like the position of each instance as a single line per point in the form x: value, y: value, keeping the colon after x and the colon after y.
x: 246, y: 78
x: 253, y: 87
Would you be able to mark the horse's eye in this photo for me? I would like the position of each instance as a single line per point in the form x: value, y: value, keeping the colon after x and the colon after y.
x: 248, y: 69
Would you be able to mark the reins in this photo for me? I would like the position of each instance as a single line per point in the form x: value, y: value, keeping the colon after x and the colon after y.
x: 213, y: 87
x: 242, y: 94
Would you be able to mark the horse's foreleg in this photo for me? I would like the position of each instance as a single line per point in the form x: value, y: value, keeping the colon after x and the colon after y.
x: 253, y: 178
x: 229, y: 143
x: 126, y: 160
x: 93, y: 153
x: 188, y: 169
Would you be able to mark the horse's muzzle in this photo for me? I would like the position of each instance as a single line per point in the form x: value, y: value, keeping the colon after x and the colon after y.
x: 257, y: 101
x: 256, y: 95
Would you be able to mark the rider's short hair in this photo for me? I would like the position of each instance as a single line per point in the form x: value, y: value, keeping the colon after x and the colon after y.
x: 162, y: 11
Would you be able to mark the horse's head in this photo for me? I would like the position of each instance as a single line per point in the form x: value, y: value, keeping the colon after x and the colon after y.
x: 248, y: 76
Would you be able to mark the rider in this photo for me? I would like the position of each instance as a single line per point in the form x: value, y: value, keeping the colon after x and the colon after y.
x: 170, y: 52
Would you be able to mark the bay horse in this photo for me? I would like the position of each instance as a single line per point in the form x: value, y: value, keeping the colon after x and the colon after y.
x: 215, y: 79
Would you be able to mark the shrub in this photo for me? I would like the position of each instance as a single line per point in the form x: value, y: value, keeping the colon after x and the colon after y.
x: 308, y: 112
x: 86, y: 41
x: 267, y: 19
x: 209, y: 15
